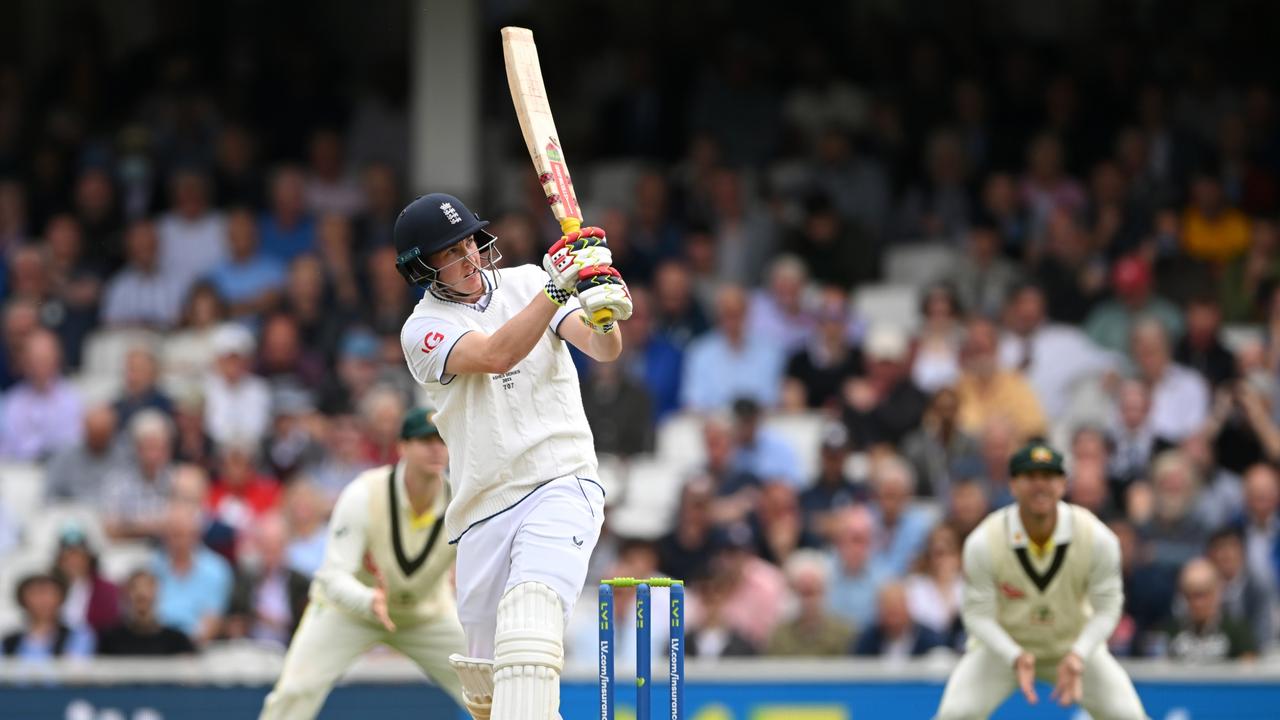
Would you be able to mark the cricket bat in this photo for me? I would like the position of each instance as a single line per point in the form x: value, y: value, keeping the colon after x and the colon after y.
x: 529, y: 95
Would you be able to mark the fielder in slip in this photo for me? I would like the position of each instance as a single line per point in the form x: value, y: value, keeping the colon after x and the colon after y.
x: 489, y: 345
x: 1042, y: 595
x: 385, y: 578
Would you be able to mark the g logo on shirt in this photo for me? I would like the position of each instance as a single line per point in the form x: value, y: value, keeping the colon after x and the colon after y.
x: 432, y: 341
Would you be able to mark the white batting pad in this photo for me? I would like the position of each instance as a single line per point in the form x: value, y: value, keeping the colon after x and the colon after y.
x: 476, y: 675
x: 528, y: 654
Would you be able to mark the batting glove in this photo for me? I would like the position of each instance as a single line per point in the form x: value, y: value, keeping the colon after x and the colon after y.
x: 573, y: 253
x: 601, y: 288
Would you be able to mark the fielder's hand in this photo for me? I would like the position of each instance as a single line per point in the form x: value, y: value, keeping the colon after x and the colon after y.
x: 601, y: 288
x: 1024, y: 668
x: 573, y: 253
x: 379, y: 603
x: 1070, y: 687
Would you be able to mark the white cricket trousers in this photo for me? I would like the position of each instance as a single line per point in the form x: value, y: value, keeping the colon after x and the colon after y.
x: 982, y: 681
x: 329, y: 640
x: 547, y: 538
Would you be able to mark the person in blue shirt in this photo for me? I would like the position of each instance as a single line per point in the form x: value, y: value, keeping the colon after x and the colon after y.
x: 44, y: 636
x: 250, y: 281
x: 287, y: 230
x: 195, y: 582
x: 728, y: 363
x: 761, y: 451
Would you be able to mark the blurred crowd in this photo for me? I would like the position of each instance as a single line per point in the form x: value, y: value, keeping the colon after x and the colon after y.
x: 201, y: 324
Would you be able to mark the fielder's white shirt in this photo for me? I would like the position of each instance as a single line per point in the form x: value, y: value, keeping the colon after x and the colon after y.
x: 507, y: 433
x: 373, y: 516
x: 1070, y: 599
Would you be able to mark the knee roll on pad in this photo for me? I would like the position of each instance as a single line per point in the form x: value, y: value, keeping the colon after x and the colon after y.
x: 528, y: 653
x: 476, y: 675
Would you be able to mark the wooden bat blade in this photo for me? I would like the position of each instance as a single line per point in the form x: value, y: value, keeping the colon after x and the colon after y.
x: 529, y: 95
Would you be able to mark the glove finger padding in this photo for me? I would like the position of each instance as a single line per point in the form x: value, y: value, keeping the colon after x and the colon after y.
x: 603, y: 287
x: 573, y: 253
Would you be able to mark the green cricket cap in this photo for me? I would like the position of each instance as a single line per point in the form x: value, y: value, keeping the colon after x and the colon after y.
x: 418, y: 423
x: 1036, y: 456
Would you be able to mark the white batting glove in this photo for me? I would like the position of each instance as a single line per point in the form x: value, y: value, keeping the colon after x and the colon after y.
x: 573, y: 253
x: 602, y: 288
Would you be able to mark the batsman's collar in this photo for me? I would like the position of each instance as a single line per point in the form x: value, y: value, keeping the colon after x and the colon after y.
x: 418, y: 423
x: 1036, y: 456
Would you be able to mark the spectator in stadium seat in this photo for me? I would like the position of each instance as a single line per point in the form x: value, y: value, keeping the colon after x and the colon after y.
x: 294, y: 441
x: 833, y: 489
x: 306, y: 510
x: 814, y: 631
x: 20, y: 318
x: 982, y: 276
x: 935, y: 587
x: 1046, y: 186
x: 838, y: 252
x: 1242, y: 424
x: 140, y: 392
x: 779, y: 525
x: 329, y: 187
x: 678, y: 314
x: 334, y: 240
x: 1203, y: 634
x: 1000, y: 206
x: 1113, y: 323
x: 188, y: 352
x: 191, y: 443
x: 857, y: 572
x: 248, y: 280
x: 685, y: 551
x: 743, y: 230
x: 883, y: 405
x: 287, y: 230
x: 357, y: 371
x: 241, y: 495
x: 729, y: 363
x: 739, y: 605
x: 134, y: 495
x: 385, y: 304
x: 902, y: 526
x: 142, y: 293
x: 1148, y: 588
x: 650, y: 358
x: 237, y: 402
x: 1222, y: 499
x: 1179, y: 396
x: 75, y: 283
x: 319, y: 321
x: 761, y: 451
x: 996, y: 444
x: 76, y: 473
x: 619, y: 409
x: 194, y: 582
x: 43, y: 636
x: 1261, y: 524
x: 344, y: 457
x: 815, y: 374
x: 938, y: 208
x: 1072, y: 278
x: 967, y: 507
x: 1245, y: 280
x: 91, y: 600
x: 1088, y: 487
x: 268, y: 597
x: 1243, y: 597
x: 1053, y: 357
x: 778, y: 310
x: 938, y: 449
x: 381, y: 412
x: 141, y: 633
x: 1174, y: 531
x: 1201, y: 349
x: 986, y: 391
x: 382, y: 191
x: 193, y: 236
x: 895, y: 635
x: 237, y: 179
x: 42, y: 414
x: 283, y: 359
x: 1212, y: 230
x: 937, y: 354
x: 1132, y: 435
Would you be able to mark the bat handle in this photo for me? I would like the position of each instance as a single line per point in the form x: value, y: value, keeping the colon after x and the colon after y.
x: 569, y: 224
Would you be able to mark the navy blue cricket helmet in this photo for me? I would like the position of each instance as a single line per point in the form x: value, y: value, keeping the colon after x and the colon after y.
x: 430, y: 224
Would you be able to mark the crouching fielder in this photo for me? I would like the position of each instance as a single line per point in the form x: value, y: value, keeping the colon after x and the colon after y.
x: 1042, y: 594
x: 385, y: 579
x: 490, y: 345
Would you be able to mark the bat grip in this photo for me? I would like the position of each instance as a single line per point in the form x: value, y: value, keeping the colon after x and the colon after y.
x: 569, y: 224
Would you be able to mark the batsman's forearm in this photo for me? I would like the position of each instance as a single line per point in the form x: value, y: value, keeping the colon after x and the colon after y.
x: 515, y: 339
x: 606, y: 348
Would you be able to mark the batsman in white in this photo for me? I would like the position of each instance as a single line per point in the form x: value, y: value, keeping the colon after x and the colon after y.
x: 385, y: 578
x: 1042, y: 593
x: 489, y: 345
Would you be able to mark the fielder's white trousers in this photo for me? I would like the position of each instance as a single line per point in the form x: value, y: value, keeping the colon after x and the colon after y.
x: 328, y: 640
x: 547, y: 537
x: 982, y: 681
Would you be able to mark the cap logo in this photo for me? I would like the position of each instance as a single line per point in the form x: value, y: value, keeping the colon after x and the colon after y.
x: 1041, y: 455
x: 450, y: 214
